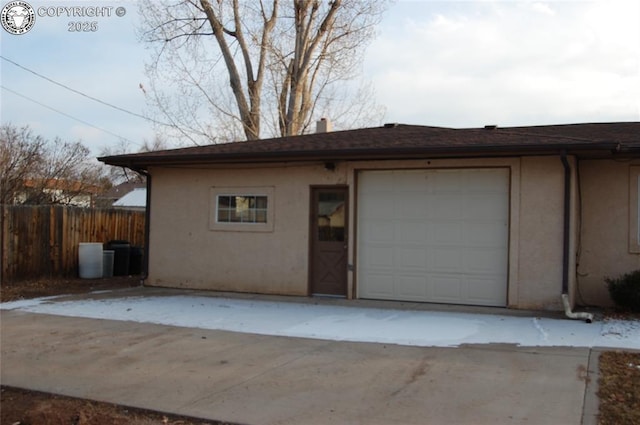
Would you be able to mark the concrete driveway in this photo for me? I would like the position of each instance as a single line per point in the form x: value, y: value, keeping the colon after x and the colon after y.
x: 257, y: 379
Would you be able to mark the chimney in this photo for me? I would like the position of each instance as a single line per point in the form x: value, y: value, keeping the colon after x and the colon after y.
x: 324, y: 126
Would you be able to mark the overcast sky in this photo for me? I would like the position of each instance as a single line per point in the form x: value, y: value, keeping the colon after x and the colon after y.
x: 440, y: 63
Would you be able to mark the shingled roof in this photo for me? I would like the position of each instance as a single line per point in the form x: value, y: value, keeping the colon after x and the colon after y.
x: 399, y: 141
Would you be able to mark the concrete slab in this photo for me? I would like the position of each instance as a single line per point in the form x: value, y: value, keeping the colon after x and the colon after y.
x: 255, y: 379
x: 322, y: 320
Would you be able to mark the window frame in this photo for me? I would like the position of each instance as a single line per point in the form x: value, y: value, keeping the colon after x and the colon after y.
x: 216, y: 193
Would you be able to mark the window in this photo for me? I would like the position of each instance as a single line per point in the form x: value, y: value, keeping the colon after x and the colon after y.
x: 242, y: 209
x: 330, y: 212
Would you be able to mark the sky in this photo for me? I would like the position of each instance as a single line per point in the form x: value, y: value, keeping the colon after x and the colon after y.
x: 338, y: 323
x: 440, y: 63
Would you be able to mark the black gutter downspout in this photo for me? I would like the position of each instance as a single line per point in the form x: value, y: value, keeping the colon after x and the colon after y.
x: 147, y: 226
x: 566, y: 235
x: 147, y: 231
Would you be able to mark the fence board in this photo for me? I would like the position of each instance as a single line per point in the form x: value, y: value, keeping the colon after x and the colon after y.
x: 42, y: 241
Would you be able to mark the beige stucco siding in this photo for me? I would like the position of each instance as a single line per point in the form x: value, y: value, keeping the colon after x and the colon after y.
x: 185, y: 252
x: 607, y: 189
x: 541, y: 198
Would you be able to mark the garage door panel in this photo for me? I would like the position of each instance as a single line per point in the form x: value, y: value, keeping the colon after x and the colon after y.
x: 446, y: 181
x: 410, y: 181
x: 486, y: 233
x: 375, y: 208
x: 378, y: 231
x: 380, y: 285
x: 483, y: 291
x: 434, y: 235
x: 486, y: 206
x: 380, y: 181
x: 449, y: 206
x: 412, y: 257
x: 484, y: 261
x: 381, y: 256
x: 411, y: 231
x: 446, y: 288
x: 409, y: 207
x: 445, y: 259
x: 411, y: 287
x: 445, y: 232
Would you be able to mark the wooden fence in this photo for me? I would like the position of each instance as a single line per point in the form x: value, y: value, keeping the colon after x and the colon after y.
x: 42, y: 241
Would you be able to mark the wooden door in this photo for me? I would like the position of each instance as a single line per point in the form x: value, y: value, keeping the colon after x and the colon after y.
x: 328, y: 228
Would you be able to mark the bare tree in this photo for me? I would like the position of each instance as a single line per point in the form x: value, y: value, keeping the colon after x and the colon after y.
x: 234, y: 64
x: 20, y: 154
x: 35, y: 171
x: 65, y: 173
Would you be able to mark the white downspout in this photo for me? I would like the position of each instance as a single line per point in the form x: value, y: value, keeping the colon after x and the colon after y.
x: 588, y: 317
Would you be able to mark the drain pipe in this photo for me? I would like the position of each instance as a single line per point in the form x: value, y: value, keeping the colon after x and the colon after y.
x: 147, y: 225
x: 588, y: 317
x: 147, y: 231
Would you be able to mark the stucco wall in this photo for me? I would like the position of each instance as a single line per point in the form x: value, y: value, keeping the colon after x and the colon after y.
x: 541, y: 233
x: 607, y: 209
x: 185, y: 252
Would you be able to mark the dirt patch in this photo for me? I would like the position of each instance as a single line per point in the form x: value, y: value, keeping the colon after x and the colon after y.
x: 12, y: 291
x: 619, y: 388
x: 22, y: 407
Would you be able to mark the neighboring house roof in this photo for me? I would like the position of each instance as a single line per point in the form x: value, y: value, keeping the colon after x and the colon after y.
x: 328, y: 208
x: 62, y: 185
x: 137, y: 198
x: 399, y: 141
x: 117, y: 192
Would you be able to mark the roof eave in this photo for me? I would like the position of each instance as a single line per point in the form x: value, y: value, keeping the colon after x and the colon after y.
x: 142, y: 162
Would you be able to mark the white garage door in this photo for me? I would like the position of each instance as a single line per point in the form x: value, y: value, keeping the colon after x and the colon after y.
x: 434, y: 235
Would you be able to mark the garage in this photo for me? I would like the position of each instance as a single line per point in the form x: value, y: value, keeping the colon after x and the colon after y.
x: 437, y: 235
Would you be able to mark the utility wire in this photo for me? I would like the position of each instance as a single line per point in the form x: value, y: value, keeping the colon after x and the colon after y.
x: 67, y: 115
x: 86, y: 95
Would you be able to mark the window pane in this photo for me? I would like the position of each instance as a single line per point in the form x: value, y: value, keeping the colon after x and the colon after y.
x: 245, y: 202
x: 242, y: 209
x: 330, y: 210
x: 245, y: 216
x: 261, y: 202
x: 223, y: 215
x: 223, y: 201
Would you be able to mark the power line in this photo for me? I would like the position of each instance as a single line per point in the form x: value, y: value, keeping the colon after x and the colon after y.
x: 86, y: 95
x: 67, y: 115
